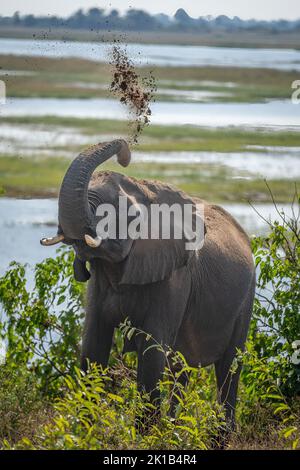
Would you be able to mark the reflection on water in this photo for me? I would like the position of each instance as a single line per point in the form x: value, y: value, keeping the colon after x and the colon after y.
x: 282, y: 114
x: 159, y: 54
x: 24, y: 222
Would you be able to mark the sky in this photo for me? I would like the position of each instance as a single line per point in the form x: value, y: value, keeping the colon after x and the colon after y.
x: 259, y: 9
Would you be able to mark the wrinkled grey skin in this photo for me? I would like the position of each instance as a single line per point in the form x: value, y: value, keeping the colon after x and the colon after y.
x: 198, y: 302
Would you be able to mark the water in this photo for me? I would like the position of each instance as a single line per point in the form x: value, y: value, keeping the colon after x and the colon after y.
x: 285, y: 165
x: 258, y: 161
x: 193, y: 95
x: 24, y: 222
x: 164, y: 55
x: 274, y: 114
x: 28, y: 139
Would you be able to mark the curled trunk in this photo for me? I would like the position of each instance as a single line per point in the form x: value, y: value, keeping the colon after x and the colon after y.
x: 74, y: 212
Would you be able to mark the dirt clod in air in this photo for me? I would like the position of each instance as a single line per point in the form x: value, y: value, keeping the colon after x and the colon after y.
x: 132, y: 90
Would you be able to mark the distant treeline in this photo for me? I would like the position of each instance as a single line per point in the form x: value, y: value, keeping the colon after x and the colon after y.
x: 139, y: 20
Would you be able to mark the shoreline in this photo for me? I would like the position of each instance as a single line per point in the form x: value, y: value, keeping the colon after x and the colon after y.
x: 244, y: 39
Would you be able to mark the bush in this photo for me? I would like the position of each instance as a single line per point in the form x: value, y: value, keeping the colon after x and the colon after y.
x: 22, y: 407
x: 271, y: 372
x: 41, y: 329
x: 275, y: 327
x: 92, y: 417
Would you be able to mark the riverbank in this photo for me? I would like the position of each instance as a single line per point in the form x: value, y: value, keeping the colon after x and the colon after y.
x: 222, y: 39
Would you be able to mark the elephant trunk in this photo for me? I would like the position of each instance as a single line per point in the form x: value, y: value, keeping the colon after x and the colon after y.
x: 74, y: 211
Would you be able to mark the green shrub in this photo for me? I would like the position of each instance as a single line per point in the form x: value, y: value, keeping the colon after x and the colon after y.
x: 41, y: 328
x: 271, y: 364
x: 275, y: 327
x: 90, y: 416
x: 22, y: 407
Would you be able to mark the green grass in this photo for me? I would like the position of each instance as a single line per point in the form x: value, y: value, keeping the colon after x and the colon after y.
x: 169, y: 138
x: 58, y: 78
x: 41, y: 177
x: 31, y: 177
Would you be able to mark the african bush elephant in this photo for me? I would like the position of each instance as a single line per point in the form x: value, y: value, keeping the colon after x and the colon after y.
x: 197, y: 302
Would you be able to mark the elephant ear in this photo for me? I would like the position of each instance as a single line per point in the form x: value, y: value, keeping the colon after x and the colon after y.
x: 81, y: 273
x: 153, y: 260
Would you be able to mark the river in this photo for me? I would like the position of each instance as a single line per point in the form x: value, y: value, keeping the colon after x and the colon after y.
x: 158, y: 54
x: 274, y: 114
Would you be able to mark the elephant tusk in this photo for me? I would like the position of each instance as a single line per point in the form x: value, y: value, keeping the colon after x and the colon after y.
x: 93, y: 242
x: 52, y: 240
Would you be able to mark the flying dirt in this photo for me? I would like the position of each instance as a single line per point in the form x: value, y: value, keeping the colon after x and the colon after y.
x: 132, y: 90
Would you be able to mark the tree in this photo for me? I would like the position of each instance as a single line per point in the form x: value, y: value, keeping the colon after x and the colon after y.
x: 77, y: 20
x: 139, y: 20
x: 113, y: 19
x: 16, y: 18
x: 95, y: 18
x: 30, y: 20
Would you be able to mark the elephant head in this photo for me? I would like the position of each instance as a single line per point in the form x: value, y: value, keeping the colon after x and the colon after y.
x: 82, y: 192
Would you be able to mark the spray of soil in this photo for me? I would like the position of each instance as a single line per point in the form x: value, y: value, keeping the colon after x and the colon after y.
x: 133, y: 91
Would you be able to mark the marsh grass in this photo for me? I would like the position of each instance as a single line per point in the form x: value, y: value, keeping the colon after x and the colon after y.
x: 168, y: 137
x: 42, y: 177
x: 59, y: 78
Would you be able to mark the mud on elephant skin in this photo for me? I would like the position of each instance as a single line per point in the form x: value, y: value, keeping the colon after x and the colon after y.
x: 197, y: 302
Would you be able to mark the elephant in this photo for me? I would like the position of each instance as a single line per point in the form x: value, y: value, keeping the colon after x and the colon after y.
x: 198, y: 302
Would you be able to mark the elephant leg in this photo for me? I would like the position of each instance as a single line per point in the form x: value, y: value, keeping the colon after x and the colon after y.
x: 228, y: 376
x: 97, y: 339
x: 151, y: 364
x: 162, y: 321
